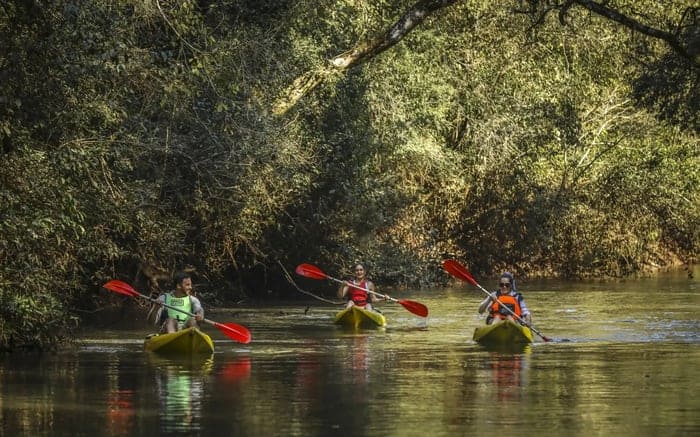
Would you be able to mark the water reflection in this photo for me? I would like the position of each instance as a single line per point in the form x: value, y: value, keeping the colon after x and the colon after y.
x: 236, y: 371
x: 120, y: 401
x: 628, y: 372
x: 180, y: 383
x: 120, y: 412
x: 307, y: 376
x: 509, y: 373
x: 359, y: 360
x: 354, y: 370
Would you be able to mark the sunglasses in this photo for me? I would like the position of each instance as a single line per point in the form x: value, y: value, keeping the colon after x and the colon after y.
x: 504, y: 284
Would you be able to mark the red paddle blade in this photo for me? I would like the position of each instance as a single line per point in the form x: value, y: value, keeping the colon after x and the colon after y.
x: 310, y: 271
x: 415, y: 307
x: 121, y: 287
x: 457, y: 270
x: 235, y: 332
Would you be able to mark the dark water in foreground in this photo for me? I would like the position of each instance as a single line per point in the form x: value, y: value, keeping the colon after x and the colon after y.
x: 625, y: 361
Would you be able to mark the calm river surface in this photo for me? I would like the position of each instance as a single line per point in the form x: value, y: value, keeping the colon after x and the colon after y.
x: 625, y: 360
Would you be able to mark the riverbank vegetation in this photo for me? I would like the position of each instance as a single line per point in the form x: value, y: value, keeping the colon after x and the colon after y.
x: 138, y: 137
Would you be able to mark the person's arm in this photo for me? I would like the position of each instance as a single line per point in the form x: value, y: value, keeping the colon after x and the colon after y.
x: 160, y: 302
x: 197, y: 309
x: 373, y: 297
x: 156, y: 310
x: 486, y: 303
x: 343, y: 291
x: 525, y: 311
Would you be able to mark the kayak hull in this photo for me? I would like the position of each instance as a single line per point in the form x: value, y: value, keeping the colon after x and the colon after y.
x: 357, y: 317
x: 503, y: 333
x: 189, y: 341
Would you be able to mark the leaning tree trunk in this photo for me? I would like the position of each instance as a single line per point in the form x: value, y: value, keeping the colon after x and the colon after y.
x: 362, y: 52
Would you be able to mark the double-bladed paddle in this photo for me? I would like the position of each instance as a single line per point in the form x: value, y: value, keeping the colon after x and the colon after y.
x: 313, y: 272
x: 233, y: 331
x: 457, y: 270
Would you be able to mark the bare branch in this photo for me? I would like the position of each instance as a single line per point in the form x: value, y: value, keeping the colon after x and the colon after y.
x: 614, y: 15
x: 370, y: 48
x: 362, y: 52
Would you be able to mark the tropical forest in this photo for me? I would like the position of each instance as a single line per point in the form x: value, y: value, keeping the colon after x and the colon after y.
x: 236, y: 139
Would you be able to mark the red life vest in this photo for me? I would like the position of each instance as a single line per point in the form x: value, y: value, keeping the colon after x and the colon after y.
x: 358, y: 296
x: 507, y: 300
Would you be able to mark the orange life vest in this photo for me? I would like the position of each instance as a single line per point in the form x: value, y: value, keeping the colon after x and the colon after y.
x: 357, y: 295
x: 507, y: 300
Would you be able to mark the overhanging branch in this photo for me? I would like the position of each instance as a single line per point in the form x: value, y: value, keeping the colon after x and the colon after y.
x: 362, y: 52
x: 612, y: 14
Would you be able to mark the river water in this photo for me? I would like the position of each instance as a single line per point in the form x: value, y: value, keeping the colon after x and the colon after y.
x: 624, y: 360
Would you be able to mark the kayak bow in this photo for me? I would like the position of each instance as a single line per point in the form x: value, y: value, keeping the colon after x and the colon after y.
x: 357, y: 317
x: 187, y: 341
x: 503, y: 333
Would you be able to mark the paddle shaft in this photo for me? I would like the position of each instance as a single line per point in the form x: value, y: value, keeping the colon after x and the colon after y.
x: 362, y: 288
x: 311, y: 271
x: 157, y: 302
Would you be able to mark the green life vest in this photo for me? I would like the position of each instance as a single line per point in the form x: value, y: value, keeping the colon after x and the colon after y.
x: 182, y: 303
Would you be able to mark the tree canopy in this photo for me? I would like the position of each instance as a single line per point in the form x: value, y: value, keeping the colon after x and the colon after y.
x: 229, y: 138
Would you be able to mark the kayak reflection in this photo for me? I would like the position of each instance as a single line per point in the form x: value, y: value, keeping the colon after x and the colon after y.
x: 509, y: 373
x: 180, y: 387
x: 356, y: 362
x: 121, y: 410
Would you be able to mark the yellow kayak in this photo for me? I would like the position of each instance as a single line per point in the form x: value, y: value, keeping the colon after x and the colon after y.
x: 187, y: 341
x: 503, y: 333
x: 359, y: 317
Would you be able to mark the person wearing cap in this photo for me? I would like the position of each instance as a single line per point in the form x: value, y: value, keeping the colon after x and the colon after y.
x: 506, y: 297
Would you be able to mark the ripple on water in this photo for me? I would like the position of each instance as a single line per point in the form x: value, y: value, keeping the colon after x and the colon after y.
x: 110, y: 345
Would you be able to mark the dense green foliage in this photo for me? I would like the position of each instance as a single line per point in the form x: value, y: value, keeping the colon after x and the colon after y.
x: 137, y: 137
